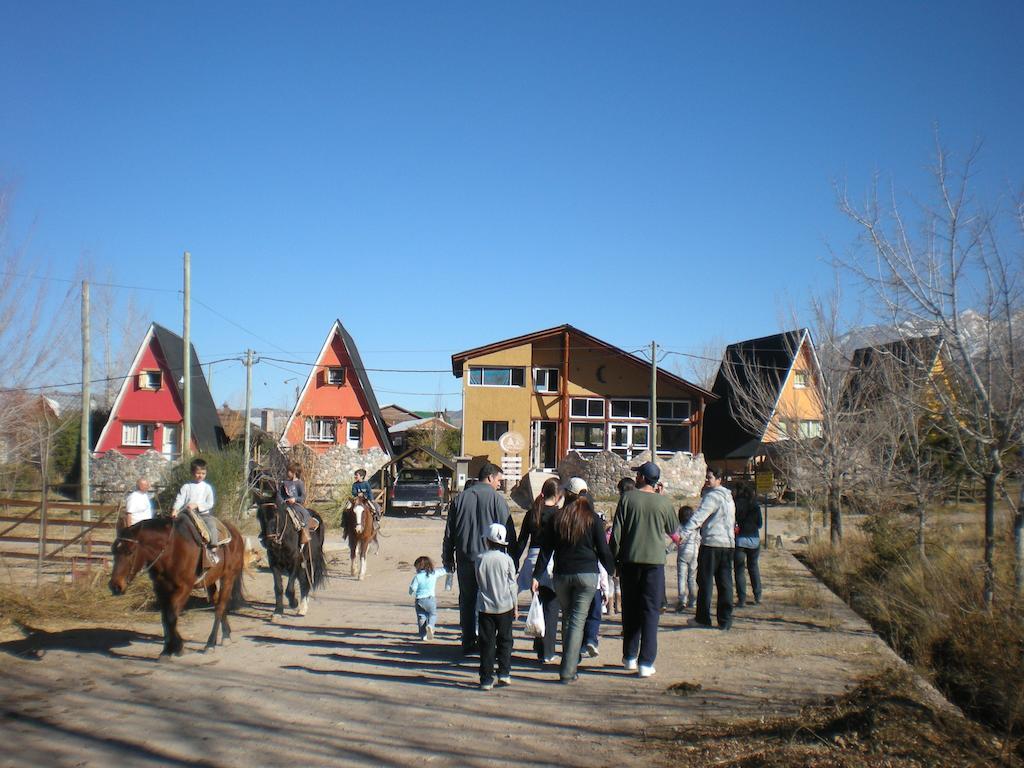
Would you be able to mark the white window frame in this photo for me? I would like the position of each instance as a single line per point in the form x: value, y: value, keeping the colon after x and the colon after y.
x: 801, y: 379
x: 320, y: 435
x: 146, y: 383
x: 590, y: 401
x: 809, y: 428
x: 631, y: 447
x: 329, y: 375
x: 545, y: 380
x: 135, y: 434
x: 480, y: 369
x: 677, y: 406
x: 604, y: 440
x: 354, y: 426
x: 632, y: 401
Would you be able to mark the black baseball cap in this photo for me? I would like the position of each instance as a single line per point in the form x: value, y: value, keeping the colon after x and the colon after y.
x: 650, y: 472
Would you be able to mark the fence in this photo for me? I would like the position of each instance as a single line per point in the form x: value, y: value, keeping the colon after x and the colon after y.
x: 74, y: 537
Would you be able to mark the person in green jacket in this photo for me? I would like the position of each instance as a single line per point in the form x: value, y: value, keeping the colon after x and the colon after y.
x: 643, y: 520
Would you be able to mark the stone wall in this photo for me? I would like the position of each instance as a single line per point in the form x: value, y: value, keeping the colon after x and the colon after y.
x: 113, y: 475
x: 329, y: 474
x: 683, y: 473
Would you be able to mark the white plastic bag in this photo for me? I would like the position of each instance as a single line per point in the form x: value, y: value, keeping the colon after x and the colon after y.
x: 535, y: 618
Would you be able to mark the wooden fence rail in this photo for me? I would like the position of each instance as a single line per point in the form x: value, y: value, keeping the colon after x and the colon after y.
x: 29, y: 535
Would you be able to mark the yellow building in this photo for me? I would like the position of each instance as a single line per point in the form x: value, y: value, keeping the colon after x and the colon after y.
x: 768, y: 390
x: 564, y: 390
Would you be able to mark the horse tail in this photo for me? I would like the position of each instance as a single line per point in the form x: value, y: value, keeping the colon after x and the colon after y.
x: 237, y: 593
x: 318, y: 556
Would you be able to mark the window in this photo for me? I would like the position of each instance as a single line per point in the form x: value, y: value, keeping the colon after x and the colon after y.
x: 321, y: 430
x: 673, y: 410
x: 810, y: 428
x: 137, y: 434
x: 494, y: 429
x: 150, y: 380
x: 627, y: 440
x: 336, y: 376
x: 497, y: 377
x: 631, y: 409
x: 586, y: 437
x: 801, y: 379
x: 545, y: 379
x: 586, y: 407
x: 355, y: 434
x: 673, y: 438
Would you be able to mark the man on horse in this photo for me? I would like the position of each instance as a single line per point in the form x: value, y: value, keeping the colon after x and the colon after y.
x: 197, y: 497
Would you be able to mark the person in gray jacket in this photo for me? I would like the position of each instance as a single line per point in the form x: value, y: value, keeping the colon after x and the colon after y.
x: 469, y: 520
x: 716, y: 518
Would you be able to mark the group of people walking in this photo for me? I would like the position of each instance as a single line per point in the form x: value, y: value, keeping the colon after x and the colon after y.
x: 569, y: 557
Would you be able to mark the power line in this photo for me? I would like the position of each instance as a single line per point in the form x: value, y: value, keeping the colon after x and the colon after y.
x: 91, y: 282
x: 238, y: 325
x: 95, y: 381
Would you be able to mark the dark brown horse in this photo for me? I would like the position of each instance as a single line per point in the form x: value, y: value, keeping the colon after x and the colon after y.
x: 359, y: 528
x: 171, y: 557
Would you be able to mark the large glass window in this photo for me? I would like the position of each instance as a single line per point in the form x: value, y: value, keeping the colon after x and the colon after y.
x: 586, y: 437
x: 631, y: 409
x: 497, y: 377
x: 586, y: 407
x: 627, y: 440
x: 137, y: 434
x: 673, y: 410
x: 673, y: 438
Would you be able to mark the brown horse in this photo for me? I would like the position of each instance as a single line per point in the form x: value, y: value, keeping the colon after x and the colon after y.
x: 359, y: 528
x: 171, y: 557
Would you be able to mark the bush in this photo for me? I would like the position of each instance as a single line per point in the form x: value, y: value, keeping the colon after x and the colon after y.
x: 929, y: 611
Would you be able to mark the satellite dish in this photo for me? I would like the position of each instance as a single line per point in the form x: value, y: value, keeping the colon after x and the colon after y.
x: 512, y: 442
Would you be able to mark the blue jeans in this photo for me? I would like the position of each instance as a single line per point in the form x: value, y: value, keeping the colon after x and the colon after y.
x: 744, y: 557
x: 686, y: 581
x: 426, y: 614
x: 642, y: 590
x: 593, y: 625
x: 575, y: 594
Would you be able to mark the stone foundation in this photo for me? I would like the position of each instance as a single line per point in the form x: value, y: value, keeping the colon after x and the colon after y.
x: 329, y: 474
x: 683, y: 473
x: 114, y: 475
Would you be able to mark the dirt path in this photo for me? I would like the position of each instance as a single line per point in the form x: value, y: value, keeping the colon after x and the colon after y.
x: 350, y: 684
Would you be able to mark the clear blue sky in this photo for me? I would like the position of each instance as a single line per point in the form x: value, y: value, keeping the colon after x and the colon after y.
x: 444, y: 175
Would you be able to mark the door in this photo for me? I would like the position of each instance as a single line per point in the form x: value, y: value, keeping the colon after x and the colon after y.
x: 544, y: 445
x: 171, y: 447
x: 627, y: 440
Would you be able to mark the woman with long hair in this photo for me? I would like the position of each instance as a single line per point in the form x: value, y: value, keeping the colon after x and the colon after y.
x: 543, y: 507
x: 574, y: 536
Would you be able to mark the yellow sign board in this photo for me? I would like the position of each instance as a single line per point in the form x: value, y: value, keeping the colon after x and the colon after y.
x: 764, y: 481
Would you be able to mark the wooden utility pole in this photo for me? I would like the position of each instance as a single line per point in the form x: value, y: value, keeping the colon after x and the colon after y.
x: 85, y: 490
x: 248, y: 421
x: 652, y: 439
x: 186, y: 427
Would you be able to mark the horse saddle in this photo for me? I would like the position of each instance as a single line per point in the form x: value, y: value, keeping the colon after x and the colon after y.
x: 194, y: 525
x: 313, y: 522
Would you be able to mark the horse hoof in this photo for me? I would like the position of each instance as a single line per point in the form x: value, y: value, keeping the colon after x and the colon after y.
x: 164, y: 656
x: 227, y: 640
x: 303, y: 608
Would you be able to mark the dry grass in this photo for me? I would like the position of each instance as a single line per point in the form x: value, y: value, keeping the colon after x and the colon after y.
x: 807, y: 597
x: 22, y: 605
x: 883, y: 722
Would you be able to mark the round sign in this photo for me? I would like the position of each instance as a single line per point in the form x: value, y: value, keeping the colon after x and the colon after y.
x: 512, y: 442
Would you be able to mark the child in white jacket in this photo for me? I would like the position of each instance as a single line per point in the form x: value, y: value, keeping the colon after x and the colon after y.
x: 686, y: 562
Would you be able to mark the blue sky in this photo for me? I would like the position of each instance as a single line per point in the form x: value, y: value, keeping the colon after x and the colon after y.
x: 444, y: 175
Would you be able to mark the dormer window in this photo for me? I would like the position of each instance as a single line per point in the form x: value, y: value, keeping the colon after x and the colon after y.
x: 150, y: 380
x: 801, y: 379
x: 336, y: 376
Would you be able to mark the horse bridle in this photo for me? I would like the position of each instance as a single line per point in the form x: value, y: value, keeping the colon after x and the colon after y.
x: 135, y: 554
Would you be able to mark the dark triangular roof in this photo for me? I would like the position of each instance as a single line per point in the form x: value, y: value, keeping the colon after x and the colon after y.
x: 914, y: 358
x: 766, y: 360
x: 206, y: 427
x: 364, y: 382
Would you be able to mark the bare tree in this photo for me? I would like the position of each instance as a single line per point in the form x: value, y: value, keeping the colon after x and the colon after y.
x: 819, y: 456
x: 702, y: 366
x: 949, y: 273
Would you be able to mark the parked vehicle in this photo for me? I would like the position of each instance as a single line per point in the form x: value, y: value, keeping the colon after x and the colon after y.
x: 420, y: 490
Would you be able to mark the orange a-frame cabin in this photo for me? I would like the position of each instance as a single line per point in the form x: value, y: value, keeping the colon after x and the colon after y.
x: 337, y: 405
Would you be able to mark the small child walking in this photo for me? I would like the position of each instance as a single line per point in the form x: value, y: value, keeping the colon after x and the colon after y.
x: 422, y: 589
x: 496, y: 608
x: 686, y: 562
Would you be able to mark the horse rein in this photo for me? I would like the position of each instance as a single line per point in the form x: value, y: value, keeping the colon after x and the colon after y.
x: 135, y: 554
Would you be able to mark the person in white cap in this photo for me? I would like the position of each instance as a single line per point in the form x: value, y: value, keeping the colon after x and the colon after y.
x: 496, y: 607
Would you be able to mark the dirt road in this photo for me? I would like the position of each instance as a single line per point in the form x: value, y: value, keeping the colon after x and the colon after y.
x: 350, y: 684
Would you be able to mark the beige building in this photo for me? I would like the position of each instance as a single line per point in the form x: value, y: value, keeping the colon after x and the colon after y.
x: 564, y: 390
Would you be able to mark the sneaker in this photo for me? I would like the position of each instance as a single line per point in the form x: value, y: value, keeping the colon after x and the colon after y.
x: 548, y: 660
x: 430, y: 633
x: 645, y: 670
x: 592, y: 651
x: 629, y: 665
x: 486, y: 686
x: 503, y: 681
x: 680, y: 608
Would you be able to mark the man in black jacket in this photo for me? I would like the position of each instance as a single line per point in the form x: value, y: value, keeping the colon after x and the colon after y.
x: 469, y: 519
